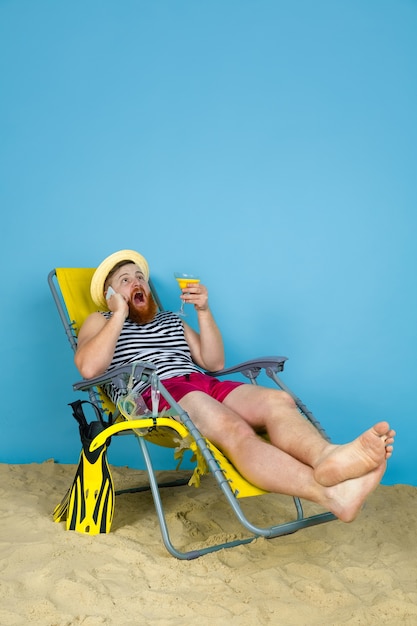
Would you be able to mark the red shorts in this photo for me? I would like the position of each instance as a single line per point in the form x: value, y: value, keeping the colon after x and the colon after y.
x: 179, y: 386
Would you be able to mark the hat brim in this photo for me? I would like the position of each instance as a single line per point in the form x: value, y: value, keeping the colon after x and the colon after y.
x: 106, y: 266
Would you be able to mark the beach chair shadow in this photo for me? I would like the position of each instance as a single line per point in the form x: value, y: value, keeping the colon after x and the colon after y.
x: 89, y: 503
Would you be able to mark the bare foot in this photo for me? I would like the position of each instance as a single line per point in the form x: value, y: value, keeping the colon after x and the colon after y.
x: 357, y: 458
x: 347, y: 499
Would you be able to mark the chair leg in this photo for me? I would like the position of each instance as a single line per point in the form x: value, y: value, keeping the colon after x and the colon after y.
x: 268, y: 533
x: 190, y: 554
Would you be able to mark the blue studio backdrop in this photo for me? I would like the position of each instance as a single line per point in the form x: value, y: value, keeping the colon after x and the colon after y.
x: 269, y: 146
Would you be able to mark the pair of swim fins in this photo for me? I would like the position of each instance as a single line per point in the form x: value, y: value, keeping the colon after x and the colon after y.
x: 88, y: 505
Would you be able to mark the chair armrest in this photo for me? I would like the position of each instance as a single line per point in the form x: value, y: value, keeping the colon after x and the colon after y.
x: 251, y: 368
x: 119, y: 376
x: 142, y: 369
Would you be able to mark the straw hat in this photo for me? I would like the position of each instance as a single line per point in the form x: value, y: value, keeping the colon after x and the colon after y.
x: 106, y: 266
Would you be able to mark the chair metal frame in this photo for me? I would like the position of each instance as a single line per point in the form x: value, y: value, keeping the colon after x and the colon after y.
x: 249, y: 369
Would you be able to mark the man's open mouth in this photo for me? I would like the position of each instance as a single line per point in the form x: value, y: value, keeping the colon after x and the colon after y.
x: 138, y: 297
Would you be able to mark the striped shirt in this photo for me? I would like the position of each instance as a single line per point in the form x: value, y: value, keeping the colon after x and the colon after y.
x: 161, y: 342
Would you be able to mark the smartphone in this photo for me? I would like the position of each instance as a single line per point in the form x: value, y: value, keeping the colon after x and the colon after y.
x: 110, y: 292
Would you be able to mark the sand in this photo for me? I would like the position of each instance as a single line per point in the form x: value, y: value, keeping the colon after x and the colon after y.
x: 359, y: 573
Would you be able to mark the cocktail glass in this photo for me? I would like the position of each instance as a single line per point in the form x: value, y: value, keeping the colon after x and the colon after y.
x: 183, y: 281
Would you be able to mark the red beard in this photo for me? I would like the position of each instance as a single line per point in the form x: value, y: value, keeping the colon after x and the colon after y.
x: 142, y: 307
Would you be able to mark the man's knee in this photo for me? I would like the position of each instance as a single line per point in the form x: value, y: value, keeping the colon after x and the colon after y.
x: 235, y: 431
x: 279, y: 400
x: 287, y: 399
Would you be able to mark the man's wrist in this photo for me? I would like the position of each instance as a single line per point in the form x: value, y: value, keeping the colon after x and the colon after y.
x: 120, y: 315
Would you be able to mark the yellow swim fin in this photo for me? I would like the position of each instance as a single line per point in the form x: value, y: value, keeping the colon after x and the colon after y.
x: 88, y: 505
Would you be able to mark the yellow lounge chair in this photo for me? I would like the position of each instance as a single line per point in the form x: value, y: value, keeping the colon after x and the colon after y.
x: 91, y: 504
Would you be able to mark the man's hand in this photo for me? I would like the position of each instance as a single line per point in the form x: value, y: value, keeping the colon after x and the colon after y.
x: 197, y: 294
x: 117, y: 304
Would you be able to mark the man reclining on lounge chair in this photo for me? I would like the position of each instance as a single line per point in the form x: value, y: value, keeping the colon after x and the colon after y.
x: 297, y: 461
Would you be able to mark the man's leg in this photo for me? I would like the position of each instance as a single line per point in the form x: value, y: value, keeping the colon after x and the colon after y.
x: 276, y: 412
x: 268, y: 466
x: 253, y: 456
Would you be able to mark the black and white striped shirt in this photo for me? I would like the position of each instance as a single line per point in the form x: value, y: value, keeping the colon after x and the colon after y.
x: 161, y: 342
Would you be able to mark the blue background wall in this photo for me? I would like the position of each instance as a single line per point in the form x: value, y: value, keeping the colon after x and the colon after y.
x: 268, y: 145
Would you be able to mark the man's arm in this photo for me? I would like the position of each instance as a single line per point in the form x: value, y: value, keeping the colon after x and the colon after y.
x: 206, y: 346
x: 97, y: 339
